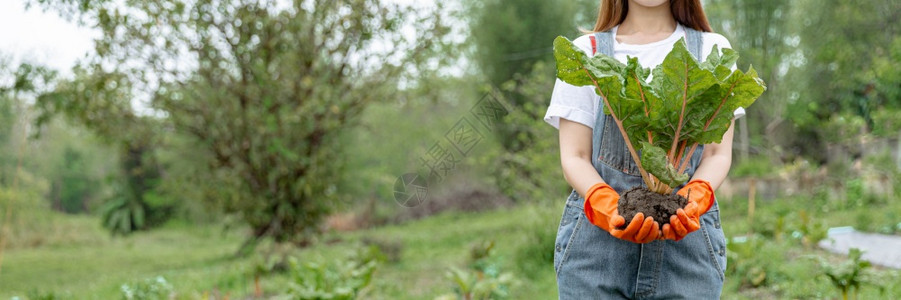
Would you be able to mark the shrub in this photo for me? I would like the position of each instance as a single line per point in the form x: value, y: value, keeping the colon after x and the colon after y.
x: 339, y: 279
x: 483, y: 279
x: 153, y: 289
x: 847, y: 277
x: 536, y: 256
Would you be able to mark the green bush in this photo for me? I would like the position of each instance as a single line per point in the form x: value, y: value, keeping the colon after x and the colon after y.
x: 848, y: 276
x: 536, y: 256
x: 483, y: 279
x: 339, y: 279
x: 754, y: 166
x: 744, y: 265
x: 152, y: 289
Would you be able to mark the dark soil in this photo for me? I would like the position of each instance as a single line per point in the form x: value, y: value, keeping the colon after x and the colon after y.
x: 652, y: 204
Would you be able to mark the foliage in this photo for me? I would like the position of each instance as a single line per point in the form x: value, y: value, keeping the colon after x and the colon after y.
x: 100, y: 101
x: 537, y: 253
x: 340, y: 279
x: 17, y: 83
x: 848, y: 276
x: 265, y: 93
x: 483, y: 279
x: 772, y: 49
x: 888, y: 78
x: 155, y: 289
x: 845, y: 50
x: 39, y: 295
x: 471, y: 284
x: 688, y: 103
x: 885, y: 122
x: 196, y: 258
x: 508, y: 43
x: 812, y: 230
x: 745, y: 264
x: 122, y: 215
x: 754, y: 166
x: 72, y: 189
x: 531, y: 173
x: 512, y: 35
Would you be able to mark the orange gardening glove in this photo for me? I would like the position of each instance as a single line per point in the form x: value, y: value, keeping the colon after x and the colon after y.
x: 601, y: 210
x: 700, y: 198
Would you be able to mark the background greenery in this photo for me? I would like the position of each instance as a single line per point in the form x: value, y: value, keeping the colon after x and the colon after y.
x: 246, y: 149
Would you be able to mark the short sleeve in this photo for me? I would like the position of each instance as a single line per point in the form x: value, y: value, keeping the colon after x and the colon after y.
x: 711, y: 39
x: 575, y: 103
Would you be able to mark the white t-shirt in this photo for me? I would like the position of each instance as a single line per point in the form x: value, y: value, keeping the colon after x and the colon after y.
x: 580, y: 104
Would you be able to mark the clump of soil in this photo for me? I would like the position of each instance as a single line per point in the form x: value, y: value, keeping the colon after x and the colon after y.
x: 640, y: 199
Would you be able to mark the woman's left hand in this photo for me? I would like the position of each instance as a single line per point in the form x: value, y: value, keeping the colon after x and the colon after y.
x: 700, y: 198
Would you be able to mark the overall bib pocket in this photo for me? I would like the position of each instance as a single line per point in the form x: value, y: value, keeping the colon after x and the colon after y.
x: 614, y: 152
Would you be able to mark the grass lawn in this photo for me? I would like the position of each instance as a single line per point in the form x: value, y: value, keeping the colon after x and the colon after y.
x: 197, y: 260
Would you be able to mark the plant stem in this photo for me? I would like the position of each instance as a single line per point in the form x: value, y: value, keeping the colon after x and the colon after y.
x: 706, y: 125
x: 687, y: 159
x: 678, y: 160
x: 647, y: 113
x: 672, y: 151
x: 622, y: 130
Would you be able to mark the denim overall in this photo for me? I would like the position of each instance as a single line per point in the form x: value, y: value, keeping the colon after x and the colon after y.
x: 592, y: 264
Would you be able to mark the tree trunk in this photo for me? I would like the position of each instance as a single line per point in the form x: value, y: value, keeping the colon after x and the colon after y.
x: 743, y: 142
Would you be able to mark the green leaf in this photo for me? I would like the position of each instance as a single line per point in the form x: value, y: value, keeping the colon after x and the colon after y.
x: 137, y: 215
x: 570, y: 68
x: 653, y: 159
x: 739, y: 90
x: 638, y: 105
x: 679, y: 81
x: 576, y: 68
x: 686, y: 103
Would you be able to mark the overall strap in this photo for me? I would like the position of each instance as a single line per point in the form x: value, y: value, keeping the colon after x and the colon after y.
x: 604, y: 45
x: 602, y: 42
x: 694, y: 40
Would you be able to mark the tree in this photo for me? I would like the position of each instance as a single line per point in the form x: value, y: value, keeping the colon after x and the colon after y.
x: 100, y: 101
x: 512, y: 46
x: 263, y: 90
x: 843, y: 46
x: 759, y: 30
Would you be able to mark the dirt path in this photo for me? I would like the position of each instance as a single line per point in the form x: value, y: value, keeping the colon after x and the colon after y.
x: 879, y: 249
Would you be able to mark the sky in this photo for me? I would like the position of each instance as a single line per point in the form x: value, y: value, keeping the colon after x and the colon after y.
x: 41, y: 37
x: 33, y: 35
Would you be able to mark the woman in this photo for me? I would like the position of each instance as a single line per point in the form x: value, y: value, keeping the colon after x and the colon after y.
x: 594, y: 259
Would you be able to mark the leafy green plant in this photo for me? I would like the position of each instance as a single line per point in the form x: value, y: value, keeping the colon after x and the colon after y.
x: 536, y: 255
x: 153, y: 289
x: 121, y: 215
x: 473, y: 284
x: 41, y: 295
x: 755, y: 166
x: 744, y: 264
x: 483, y: 279
x: 848, y: 276
x: 812, y: 231
x: 339, y: 279
x: 688, y: 103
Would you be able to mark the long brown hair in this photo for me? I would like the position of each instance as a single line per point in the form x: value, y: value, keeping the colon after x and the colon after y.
x: 687, y: 12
